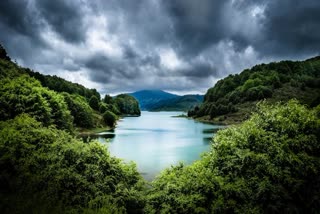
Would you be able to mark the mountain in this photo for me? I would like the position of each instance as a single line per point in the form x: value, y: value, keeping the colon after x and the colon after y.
x: 148, y: 98
x: 233, y: 98
x: 157, y: 100
x: 180, y: 103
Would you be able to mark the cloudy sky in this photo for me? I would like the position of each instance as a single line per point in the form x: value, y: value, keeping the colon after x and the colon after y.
x: 182, y: 46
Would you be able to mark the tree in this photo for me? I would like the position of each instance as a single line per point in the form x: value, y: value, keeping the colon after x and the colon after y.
x: 107, y: 99
x: 268, y: 164
x: 80, y: 110
x: 94, y: 103
x: 3, y: 54
x: 26, y: 95
x: 46, y: 170
x: 110, y: 118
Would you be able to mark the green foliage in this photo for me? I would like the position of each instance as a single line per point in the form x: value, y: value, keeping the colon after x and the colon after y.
x: 45, y: 170
x: 25, y: 95
x: 127, y: 104
x: 108, y: 99
x: 80, y: 110
x: 110, y: 118
x: 269, y: 164
x: 61, y: 85
x: 275, y: 81
x: 3, y: 54
x: 178, y: 103
x: 94, y: 103
x: 103, y: 107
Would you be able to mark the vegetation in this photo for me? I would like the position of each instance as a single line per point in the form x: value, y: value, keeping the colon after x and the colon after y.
x: 45, y: 170
x: 157, y: 100
x: 110, y: 118
x: 147, y: 98
x: 26, y: 95
x: 55, y: 101
x: 280, y: 81
x: 180, y: 103
x: 269, y: 164
x: 61, y: 85
x: 127, y: 105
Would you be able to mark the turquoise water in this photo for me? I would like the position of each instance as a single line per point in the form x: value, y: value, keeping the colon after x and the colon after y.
x: 156, y: 140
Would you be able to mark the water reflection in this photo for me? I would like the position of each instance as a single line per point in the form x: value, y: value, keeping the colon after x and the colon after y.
x: 103, y: 135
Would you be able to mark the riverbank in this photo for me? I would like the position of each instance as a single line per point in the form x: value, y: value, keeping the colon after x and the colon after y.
x: 92, y: 131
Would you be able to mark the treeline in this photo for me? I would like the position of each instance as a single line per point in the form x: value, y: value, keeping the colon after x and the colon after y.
x: 275, y: 82
x: 43, y: 167
x: 55, y: 101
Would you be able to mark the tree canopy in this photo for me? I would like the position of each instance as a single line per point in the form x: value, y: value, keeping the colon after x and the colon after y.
x: 268, y: 164
x: 279, y: 81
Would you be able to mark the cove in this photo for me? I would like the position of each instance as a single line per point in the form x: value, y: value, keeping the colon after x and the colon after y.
x: 157, y: 140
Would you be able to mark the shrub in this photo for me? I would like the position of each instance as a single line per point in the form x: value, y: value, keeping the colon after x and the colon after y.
x: 110, y: 118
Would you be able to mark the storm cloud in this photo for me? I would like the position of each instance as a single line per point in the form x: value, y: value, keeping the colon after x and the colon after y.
x: 183, y: 46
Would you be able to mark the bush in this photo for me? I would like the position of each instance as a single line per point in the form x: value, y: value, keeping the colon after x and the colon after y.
x: 45, y: 170
x: 80, y: 110
x: 110, y: 118
x: 103, y: 108
x: 268, y: 164
x: 94, y: 103
x: 26, y: 95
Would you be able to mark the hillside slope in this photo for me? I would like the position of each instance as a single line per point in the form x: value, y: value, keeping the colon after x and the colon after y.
x: 233, y: 98
x: 180, y: 103
x: 55, y: 101
x: 157, y: 100
x: 147, y: 98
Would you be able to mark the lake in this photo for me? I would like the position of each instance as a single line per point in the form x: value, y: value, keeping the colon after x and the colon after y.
x: 157, y: 140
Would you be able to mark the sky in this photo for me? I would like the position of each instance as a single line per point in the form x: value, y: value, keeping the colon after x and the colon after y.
x: 181, y: 46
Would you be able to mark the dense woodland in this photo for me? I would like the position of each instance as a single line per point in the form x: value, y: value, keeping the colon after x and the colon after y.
x: 268, y: 164
x: 234, y: 96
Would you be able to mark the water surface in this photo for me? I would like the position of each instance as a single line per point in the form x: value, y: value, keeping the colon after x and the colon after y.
x: 156, y: 140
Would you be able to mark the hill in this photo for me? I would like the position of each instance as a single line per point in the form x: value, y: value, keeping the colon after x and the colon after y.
x: 55, y: 101
x: 157, y: 100
x: 180, y: 103
x: 148, y: 98
x: 233, y: 98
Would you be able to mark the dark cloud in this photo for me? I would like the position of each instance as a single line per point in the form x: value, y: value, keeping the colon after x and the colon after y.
x: 19, y: 17
x: 199, y: 70
x: 65, y: 17
x: 177, y: 45
x: 197, y: 24
x: 291, y: 28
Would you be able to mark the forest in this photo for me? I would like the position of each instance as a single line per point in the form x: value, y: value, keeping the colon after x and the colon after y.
x: 270, y: 163
x: 231, y: 99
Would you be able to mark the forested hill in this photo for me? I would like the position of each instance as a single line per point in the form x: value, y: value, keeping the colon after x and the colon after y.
x: 55, y: 101
x: 44, y: 168
x: 179, y: 103
x: 157, y: 100
x: 232, y: 98
x: 147, y: 98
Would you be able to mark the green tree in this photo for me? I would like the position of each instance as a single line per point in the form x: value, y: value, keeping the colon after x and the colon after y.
x: 110, y: 118
x: 80, y: 110
x: 127, y: 104
x: 94, y: 103
x: 26, y: 95
x: 45, y: 170
x: 3, y: 53
x: 268, y: 164
x: 107, y: 99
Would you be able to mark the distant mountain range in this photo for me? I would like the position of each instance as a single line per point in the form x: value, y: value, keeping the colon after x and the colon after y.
x: 158, y: 100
